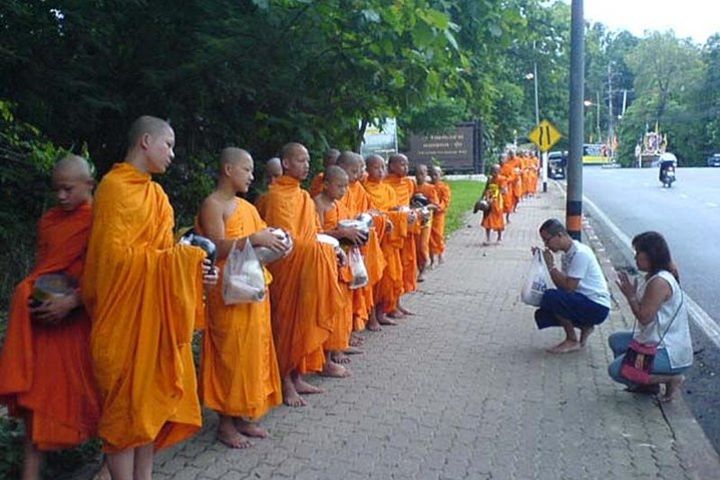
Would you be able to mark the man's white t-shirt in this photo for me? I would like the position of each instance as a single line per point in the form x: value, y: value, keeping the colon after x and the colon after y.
x: 580, y: 262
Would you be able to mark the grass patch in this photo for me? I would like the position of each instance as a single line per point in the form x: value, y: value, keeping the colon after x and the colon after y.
x: 464, y: 195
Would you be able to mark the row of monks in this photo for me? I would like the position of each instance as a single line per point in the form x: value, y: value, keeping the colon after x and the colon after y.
x: 113, y: 358
x: 511, y: 180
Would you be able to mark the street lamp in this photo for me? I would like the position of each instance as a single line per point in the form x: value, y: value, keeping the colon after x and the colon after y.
x: 589, y: 103
x: 533, y: 76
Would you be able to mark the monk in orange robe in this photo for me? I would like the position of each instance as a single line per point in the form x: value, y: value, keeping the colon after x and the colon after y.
x: 357, y: 201
x: 331, y: 211
x: 422, y: 239
x: 508, y: 171
x: 404, y: 187
x: 305, y: 296
x: 273, y: 171
x: 45, y: 369
x: 143, y: 292
x: 437, y: 233
x: 329, y: 158
x: 239, y: 373
x: 493, y: 219
x: 388, y: 291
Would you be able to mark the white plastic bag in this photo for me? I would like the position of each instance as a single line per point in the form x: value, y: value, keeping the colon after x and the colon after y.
x: 357, y: 267
x: 243, y: 276
x: 538, y: 280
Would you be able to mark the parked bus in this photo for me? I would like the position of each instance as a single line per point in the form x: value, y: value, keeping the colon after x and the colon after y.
x: 596, y: 154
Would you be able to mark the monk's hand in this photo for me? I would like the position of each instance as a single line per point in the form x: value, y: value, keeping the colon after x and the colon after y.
x: 628, y: 288
x: 412, y: 217
x: 266, y: 238
x: 353, y: 235
x: 210, y: 273
x: 52, y: 311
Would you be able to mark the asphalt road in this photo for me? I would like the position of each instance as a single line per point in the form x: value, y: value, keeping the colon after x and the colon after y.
x: 688, y: 215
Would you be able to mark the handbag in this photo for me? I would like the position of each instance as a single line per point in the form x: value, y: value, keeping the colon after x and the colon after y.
x: 243, y: 276
x: 638, y: 362
x: 358, y: 269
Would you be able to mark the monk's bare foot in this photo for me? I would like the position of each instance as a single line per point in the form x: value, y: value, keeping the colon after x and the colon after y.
x: 486, y: 243
x: 566, y: 346
x: 373, y: 325
x: 291, y: 398
x: 356, y: 340
x: 441, y: 260
x: 405, y: 311
x: 340, y: 357
x: 354, y: 351
x: 395, y: 314
x: 229, y: 435
x: 387, y: 321
x: 304, y: 388
x: 672, y: 389
x: 250, y: 429
x: 332, y: 369
x: 584, y: 334
x: 420, y: 278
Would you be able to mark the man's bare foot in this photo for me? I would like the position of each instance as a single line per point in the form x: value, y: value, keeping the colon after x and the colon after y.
x: 373, y: 325
x: 250, y: 429
x: 441, y: 260
x: 304, y: 388
x: 356, y: 340
x: 584, y: 334
x: 672, y: 389
x: 291, y: 398
x: 229, y: 435
x: 340, y: 357
x: 420, y: 278
x: 486, y: 243
x: 332, y: 369
x: 395, y: 314
x: 354, y: 351
x: 565, y: 346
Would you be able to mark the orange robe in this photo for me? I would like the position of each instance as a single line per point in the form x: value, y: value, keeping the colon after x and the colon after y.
x: 339, y: 339
x: 404, y: 188
x: 144, y: 293
x: 357, y: 201
x: 46, y: 371
x: 422, y: 239
x: 390, y: 288
x: 304, y: 295
x: 239, y: 370
x: 507, y: 170
x: 437, y: 233
x: 494, y: 219
x: 316, y: 186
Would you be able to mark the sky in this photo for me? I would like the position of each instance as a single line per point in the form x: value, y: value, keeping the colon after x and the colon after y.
x: 688, y: 18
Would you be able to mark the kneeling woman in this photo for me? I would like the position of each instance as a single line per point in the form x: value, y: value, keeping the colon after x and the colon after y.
x: 662, y: 320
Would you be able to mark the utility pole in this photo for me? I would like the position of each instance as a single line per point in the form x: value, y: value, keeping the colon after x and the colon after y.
x: 573, y: 206
x: 610, y: 110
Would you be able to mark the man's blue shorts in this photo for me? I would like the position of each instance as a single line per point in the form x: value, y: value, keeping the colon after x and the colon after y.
x: 573, y: 306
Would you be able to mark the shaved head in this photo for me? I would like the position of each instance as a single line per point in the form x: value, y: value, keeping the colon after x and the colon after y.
x: 290, y: 149
x: 146, y: 125
x: 74, y: 166
x: 330, y: 157
x: 274, y: 167
x: 348, y: 158
x: 333, y: 172
x: 234, y: 155
x: 373, y: 160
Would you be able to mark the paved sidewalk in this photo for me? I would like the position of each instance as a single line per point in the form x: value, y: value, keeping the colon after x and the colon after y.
x: 463, y: 389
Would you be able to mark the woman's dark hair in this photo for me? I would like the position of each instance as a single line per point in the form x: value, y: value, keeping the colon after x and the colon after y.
x: 654, y: 246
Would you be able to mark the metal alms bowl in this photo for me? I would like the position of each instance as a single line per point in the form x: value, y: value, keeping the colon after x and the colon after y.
x: 267, y: 255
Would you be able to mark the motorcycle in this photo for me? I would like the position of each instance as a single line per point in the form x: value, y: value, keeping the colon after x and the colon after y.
x: 667, y: 173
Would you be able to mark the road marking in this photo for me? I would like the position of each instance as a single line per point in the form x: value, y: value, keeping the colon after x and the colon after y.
x: 701, y: 318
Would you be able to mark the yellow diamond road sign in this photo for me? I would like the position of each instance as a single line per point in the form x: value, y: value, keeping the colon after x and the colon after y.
x: 545, y: 135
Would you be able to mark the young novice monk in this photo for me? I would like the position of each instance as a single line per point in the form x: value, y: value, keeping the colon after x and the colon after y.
x: 143, y: 292
x: 45, y: 368
x: 437, y: 233
x: 304, y: 295
x: 422, y: 239
x: 240, y: 378
x: 493, y: 219
x: 331, y: 211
